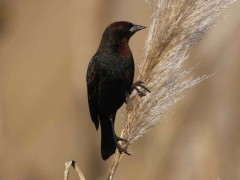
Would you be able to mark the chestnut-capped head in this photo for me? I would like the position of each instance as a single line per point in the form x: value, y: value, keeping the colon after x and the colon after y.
x: 120, y: 32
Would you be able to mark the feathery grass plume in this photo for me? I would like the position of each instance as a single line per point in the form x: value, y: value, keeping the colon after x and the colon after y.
x: 176, y: 25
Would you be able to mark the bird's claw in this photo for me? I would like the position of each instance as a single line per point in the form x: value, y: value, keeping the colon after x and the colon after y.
x: 122, y: 150
x: 119, y: 147
x: 140, y: 84
x: 121, y: 139
x: 141, y: 94
x: 144, y: 87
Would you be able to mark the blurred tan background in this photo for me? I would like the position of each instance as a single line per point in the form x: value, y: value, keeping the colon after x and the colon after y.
x: 45, y: 47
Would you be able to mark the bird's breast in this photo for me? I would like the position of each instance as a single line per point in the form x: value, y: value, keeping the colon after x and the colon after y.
x: 122, y: 69
x: 124, y: 50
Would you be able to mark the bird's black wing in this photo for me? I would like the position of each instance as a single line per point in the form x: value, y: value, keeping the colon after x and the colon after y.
x: 92, y: 86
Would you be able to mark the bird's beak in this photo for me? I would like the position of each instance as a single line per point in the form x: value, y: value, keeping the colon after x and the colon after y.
x: 136, y: 28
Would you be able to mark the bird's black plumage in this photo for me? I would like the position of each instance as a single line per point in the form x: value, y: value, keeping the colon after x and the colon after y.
x: 109, y: 79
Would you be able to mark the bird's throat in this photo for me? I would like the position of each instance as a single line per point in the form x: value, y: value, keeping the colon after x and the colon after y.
x: 124, y: 50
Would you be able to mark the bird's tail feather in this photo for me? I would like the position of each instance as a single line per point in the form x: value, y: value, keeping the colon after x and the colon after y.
x: 108, y: 145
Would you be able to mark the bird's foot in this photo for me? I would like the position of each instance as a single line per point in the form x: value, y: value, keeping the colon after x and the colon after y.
x: 121, y: 139
x: 140, y: 84
x: 122, y: 150
x: 119, y: 147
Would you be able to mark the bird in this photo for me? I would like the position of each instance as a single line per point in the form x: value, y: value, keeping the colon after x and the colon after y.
x: 109, y: 79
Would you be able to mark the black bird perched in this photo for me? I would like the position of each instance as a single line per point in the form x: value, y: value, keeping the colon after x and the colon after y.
x: 109, y: 80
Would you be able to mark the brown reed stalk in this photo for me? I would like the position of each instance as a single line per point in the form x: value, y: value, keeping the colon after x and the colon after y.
x: 176, y: 25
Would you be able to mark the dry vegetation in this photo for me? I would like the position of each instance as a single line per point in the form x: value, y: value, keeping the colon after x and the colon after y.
x: 176, y: 25
x: 45, y: 48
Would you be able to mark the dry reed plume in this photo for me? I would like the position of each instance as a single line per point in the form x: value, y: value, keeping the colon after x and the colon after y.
x: 176, y: 25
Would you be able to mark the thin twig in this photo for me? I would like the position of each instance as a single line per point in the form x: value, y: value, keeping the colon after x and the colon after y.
x: 77, y: 169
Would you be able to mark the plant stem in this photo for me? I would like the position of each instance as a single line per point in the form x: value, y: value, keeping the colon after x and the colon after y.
x: 114, y: 165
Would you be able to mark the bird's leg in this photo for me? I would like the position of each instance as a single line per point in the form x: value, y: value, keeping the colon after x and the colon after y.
x: 116, y: 139
x: 140, y: 84
x: 126, y: 98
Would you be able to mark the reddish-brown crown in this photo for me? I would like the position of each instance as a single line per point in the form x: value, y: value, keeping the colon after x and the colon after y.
x: 120, y: 25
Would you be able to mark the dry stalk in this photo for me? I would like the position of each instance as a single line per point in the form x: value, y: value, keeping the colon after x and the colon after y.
x: 176, y: 25
x: 77, y: 169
